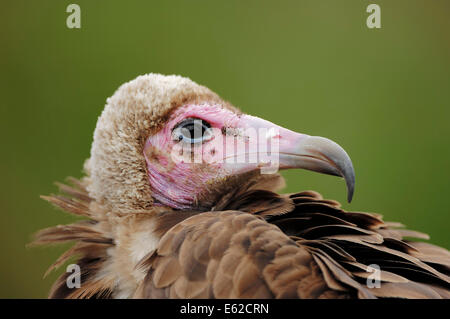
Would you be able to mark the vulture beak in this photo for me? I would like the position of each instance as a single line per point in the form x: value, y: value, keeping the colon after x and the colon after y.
x: 290, y: 149
x: 321, y: 155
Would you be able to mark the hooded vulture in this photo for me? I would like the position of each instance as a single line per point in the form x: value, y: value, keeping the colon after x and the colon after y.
x: 179, y: 201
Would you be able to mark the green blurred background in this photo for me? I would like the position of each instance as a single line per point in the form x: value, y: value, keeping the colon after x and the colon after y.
x: 312, y: 66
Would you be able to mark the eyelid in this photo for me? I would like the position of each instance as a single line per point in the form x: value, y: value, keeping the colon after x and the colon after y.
x: 190, y: 120
x: 185, y: 121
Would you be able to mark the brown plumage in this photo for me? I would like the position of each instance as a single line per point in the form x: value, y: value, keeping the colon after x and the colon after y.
x: 258, y: 245
x: 238, y: 239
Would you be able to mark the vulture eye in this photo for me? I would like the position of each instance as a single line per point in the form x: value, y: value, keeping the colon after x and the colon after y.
x: 192, y: 130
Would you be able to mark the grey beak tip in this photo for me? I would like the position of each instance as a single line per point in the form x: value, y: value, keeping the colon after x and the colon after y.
x: 348, y: 173
x: 330, y: 159
x: 350, y: 195
x: 350, y: 181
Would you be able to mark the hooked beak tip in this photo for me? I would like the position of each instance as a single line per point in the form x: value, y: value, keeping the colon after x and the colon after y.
x: 350, y: 188
x: 322, y: 155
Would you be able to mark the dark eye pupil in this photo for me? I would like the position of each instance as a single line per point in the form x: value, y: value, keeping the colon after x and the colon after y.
x: 189, y: 128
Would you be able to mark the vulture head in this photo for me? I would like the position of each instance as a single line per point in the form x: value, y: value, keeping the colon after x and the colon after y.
x: 167, y: 141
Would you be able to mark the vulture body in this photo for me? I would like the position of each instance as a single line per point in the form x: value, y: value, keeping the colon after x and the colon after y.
x: 161, y: 222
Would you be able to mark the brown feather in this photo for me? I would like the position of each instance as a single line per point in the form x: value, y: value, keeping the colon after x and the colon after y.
x: 254, y: 244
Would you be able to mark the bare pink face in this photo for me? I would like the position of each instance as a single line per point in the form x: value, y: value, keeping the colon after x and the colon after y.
x: 176, y: 174
x: 202, y: 145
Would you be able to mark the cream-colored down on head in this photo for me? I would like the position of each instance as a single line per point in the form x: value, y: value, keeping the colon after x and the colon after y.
x: 116, y: 171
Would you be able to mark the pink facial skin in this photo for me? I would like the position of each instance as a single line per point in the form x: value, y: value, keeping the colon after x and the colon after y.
x: 175, y: 179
